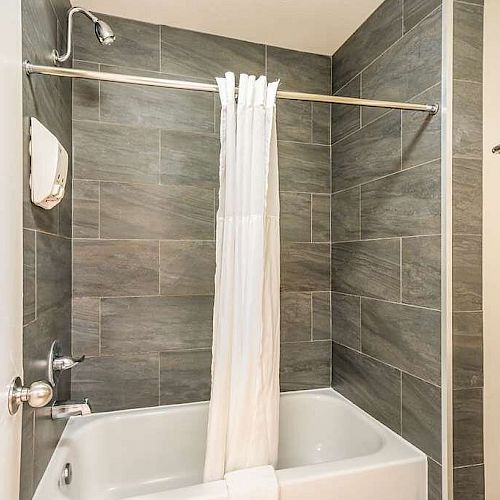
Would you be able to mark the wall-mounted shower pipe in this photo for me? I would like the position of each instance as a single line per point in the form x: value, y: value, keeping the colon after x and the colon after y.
x: 103, y: 32
x: 207, y: 87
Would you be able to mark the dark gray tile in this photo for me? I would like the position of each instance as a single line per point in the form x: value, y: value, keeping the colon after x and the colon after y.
x: 187, y: 267
x: 105, y: 151
x: 421, y: 271
x: 295, y: 316
x: 295, y: 216
x: 66, y: 205
x: 305, y: 267
x: 85, y: 94
x: 320, y: 218
x: 175, y: 109
x: 346, y: 219
x: 467, y: 195
x: 151, y: 324
x: 346, y: 320
x: 27, y: 455
x: 114, y: 268
x: 305, y: 365
x: 118, y: 382
x: 434, y: 480
x: 468, y: 41
x: 374, y: 36
x: 373, y: 386
x: 294, y: 120
x: 321, y: 122
x: 185, y: 376
x: 467, y: 427
x: 467, y: 119
x: 369, y: 153
x: 85, y: 329
x: 304, y: 167
x: 321, y: 318
x: 406, y: 337
x: 53, y: 271
x: 189, y: 159
x: 368, y: 268
x: 156, y: 212
x: 468, y: 483
x: 415, y: 10
x: 421, y: 417
x: 346, y: 118
x: 414, y: 63
x: 467, y: 273
x: 85, y: 209
x: 29, y: 276
x: 421, y: 132
x: 299, y: 71
x: 61, y: 8
x: 467, y: 349
x: 193, y: 54
x: 137, y: 44
x: 407, y: 203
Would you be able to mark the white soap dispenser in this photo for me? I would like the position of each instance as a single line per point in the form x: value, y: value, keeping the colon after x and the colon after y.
x: 49, y: 167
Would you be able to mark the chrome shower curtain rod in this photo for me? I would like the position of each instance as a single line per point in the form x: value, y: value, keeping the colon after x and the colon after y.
x: 207, y: 87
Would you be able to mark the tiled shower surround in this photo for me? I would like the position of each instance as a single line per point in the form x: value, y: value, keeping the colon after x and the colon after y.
x: 145, y: 196
x: 386, y: 225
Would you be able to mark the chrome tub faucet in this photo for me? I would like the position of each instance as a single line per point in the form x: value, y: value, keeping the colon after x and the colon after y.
x: 67, y: 409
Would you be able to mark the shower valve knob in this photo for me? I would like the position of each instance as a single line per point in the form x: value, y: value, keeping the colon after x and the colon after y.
x: 38, y: 394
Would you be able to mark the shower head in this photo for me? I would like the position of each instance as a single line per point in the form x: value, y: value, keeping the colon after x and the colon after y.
x: 103, y: 32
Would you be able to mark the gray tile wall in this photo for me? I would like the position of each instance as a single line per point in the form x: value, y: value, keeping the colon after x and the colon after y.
x: 47, y: 238
x: 146, y: 186
x: 386, y: 225
x: 467, y: 252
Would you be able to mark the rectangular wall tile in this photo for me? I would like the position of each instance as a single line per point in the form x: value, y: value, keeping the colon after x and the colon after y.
x: 185, y: 376
x: 415, y: 11
x: 295, y: 216
x: 346, y: 320
x: 369, y: 153
x: 111, y: 268
x: 421, y: 271
x: 299, y: 71
x: 421, y: 418
x: 467, y: 273
x: 407, y: 203
x: 137, y: 44
x: 321, y: 122
x: 156, y: 212
x: 321, y: 315
x: 408, y: 338
x: 85, y: 326
x: 152, y: 324
x: 467, y: 196
x: 468, y: 483
x: 369, y: 268
x: 305, y: 365
x: 194, y: 54
x: 304, y: 167
x: 434, y: 479
x: 374, y: 36
x: 409, y: 67
x: 320, y: 218
x: 296, y: 316
x: 115, y: 153
x: 189, y: 159
x: 85, y: 209
x: 373, y: 386
x: 29, y: 276
x: 345, y: 118
x: 467, y: 119
x: 118, y: 382
x: 187, y: 267
x: 346, y: 218
x: 467, y: 427
x: 294, y: 120
x: 85, y: 94
x: 305, y: 267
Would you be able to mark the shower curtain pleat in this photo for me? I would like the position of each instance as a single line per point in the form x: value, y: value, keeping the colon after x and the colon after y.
x: 244, y: 406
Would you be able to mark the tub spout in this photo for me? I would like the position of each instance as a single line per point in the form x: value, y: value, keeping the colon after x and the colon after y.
x: 66, y: 409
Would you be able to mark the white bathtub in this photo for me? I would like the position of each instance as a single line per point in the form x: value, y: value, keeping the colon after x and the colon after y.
x: 329, y: 449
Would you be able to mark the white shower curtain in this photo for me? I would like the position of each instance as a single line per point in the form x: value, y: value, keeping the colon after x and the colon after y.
x: 244, y: 405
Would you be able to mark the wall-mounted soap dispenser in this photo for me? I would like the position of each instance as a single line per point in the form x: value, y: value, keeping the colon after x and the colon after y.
x: 49, y: 167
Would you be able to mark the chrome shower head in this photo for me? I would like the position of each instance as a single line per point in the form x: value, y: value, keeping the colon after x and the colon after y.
x: 103, y: 32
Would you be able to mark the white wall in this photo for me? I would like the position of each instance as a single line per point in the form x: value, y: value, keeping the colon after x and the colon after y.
x: 491, y: 248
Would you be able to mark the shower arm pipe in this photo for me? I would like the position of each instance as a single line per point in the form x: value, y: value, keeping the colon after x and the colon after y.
x: 207, y: 87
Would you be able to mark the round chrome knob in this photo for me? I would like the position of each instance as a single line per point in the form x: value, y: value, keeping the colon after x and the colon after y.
x: 38, y: 394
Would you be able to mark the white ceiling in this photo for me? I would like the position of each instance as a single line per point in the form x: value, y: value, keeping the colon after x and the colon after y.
x: 319, y: 26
